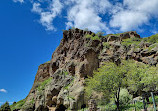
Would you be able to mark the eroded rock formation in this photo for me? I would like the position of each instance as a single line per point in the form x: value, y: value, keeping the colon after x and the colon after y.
x: 59, y: 84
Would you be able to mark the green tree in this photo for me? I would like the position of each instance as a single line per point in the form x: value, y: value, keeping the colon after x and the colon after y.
x: 5, y: 107
x: 142, y: 79
x: 108, y: 79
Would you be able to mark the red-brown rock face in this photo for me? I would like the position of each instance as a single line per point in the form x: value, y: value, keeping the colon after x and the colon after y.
x: 60, y: 83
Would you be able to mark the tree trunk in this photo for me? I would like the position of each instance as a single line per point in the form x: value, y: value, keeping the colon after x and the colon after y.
x: 143, y: 96
x: 117, y: 100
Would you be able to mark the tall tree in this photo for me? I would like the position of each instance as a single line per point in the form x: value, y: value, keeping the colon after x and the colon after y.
x: 108, y: 79
x: 142, y: 79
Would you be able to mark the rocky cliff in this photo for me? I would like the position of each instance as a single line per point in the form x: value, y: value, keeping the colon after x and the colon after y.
x: 59, y: 84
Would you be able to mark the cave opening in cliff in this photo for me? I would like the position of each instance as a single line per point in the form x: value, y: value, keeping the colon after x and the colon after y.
x: 61, y: 108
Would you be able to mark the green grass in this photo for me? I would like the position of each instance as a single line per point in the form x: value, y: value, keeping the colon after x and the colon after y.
x: 156, y: 99
x: 152, y: 39
x: 43, y: 84
x: 18, y: 105
x: 130, y: 41
x: 152, y: 46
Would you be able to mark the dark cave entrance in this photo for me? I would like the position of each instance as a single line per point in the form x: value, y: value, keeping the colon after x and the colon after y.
x: 61, y: 108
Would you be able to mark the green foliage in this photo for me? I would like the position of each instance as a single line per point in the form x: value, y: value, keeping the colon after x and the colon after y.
x: 18, y: 105
x: 5, y: 107
x: 92, y: 38
x: 43, y: 84
x: 95, y: 38
x: 139, y: 105
x: 73, y: 98
x: 130, y: 41
x: 125, y: 97
x: 152, y: 46
x: 109, y: 107
x: 105, y: 80
x: 142, y: 77
x: 32, y: 101
x: 88, y: 36
x: 65, y: 72
x: 106, y: 44
x: 152, y: 39
x: 109, y: 78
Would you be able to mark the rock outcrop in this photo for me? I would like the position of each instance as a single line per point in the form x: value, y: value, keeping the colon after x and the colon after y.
x: 59, y: 84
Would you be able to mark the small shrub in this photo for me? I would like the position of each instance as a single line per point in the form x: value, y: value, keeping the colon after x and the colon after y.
x: 153, y: 39
x: 73, y: 98
x: 109, y: 107
x: 88, y: 36
x: 92, y: 38
x: 18, y: 105
x: 5, y: 107
x: 43, y: 84
x: 64, y: 72
x: 106, y: 44
x: 152, y: 46
x: 130, y: 41
x: 125, y: 97
x: 32, y: 101
x: 139, y: 105
x: 95, y: 38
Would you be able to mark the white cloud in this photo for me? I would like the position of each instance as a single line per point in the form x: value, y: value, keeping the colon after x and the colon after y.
x: 3, y: 90
x: 36, y: 8
x: 21, y: 1
x: 97, y: 15
x: 133, y: 13
x: 128, y: 20
x: 48, y: 15
x: 85, y: 14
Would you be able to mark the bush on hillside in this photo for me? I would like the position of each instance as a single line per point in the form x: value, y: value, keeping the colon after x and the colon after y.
x: 5, y: 107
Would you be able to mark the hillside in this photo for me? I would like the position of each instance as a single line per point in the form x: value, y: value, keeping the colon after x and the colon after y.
x: 60, y: 83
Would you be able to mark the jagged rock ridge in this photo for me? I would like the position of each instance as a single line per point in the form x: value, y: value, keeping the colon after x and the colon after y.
x: 59, y: 84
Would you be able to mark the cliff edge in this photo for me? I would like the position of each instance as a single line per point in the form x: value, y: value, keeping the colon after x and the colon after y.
x: 59, y: 84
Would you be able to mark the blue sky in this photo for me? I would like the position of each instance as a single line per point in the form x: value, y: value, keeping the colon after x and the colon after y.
x: 30, y: 30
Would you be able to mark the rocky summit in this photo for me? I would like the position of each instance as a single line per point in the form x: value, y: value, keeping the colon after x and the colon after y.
x: 59, y: 84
